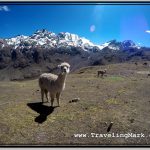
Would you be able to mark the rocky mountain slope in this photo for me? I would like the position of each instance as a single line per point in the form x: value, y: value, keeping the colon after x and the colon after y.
x: 27, y: 56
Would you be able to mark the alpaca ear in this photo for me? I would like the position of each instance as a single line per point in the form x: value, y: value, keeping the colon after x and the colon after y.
x: 68, y: 65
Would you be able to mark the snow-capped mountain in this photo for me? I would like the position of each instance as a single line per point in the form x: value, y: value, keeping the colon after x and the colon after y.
x: 129, y: 44
x: 28, y: 56
x: 45, y: 39
x: 125, y: 45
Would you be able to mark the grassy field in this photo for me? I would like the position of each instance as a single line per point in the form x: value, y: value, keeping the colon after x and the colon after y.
x: 121, y: 97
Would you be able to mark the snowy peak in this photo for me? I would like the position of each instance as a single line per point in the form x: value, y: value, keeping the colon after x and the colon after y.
x: 128, y: 43
x: 74, y: 40
x: 43, y: 34
x: 46, y: 39
x: 125, y: 45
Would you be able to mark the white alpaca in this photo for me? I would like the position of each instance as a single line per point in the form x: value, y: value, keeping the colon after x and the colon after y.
x: 54, y: 84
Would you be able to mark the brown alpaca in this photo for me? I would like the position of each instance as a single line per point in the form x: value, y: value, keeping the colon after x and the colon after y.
x: 145, y: 64
x: 101, y: 72
x: 136, y: 63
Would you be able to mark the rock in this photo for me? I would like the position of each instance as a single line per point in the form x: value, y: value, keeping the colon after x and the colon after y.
x: 109, y: 127
x: 131, y: 120
x: 74, y: 100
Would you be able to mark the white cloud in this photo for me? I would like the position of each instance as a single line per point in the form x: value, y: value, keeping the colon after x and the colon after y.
x: 148, y: 31
x: 4, y: 8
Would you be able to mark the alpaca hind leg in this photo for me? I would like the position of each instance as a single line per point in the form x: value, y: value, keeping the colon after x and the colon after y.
x: 58, y: 96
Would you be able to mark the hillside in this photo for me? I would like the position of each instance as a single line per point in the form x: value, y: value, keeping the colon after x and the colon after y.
x: 121, y: 97
x: 24, y: 57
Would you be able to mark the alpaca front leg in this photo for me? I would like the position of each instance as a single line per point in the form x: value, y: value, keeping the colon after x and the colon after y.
x: 52, y: 99
x: 58, y: 96
x: 42, y: 95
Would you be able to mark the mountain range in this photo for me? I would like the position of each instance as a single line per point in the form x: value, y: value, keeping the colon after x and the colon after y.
x: 27, y: 56
x: 45, y: 39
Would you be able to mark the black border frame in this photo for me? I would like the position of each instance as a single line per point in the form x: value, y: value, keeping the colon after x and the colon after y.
x: 109, y: 2
x: 76, y: 2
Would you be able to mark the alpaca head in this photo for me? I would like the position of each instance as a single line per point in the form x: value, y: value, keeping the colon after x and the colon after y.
x: 65, y: 68
x: 105, y: 70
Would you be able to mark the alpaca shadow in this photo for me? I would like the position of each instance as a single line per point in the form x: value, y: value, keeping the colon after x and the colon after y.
x: 43, y: 111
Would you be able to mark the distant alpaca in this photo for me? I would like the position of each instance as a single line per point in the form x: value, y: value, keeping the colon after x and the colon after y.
x: 54, y: 84
x: 136, y: 63
x: 101, y: 72
x: 145, y: 64
x: 148, y: 75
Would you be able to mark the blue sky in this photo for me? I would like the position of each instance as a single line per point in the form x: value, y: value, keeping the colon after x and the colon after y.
x: 98, y: 23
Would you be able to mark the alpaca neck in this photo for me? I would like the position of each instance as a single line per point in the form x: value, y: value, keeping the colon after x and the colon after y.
x: 61, y: 79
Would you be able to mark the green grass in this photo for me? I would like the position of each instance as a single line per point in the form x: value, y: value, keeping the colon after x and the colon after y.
x: 112, y: 101
x: 122, y: 91
x: 115, y: 78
